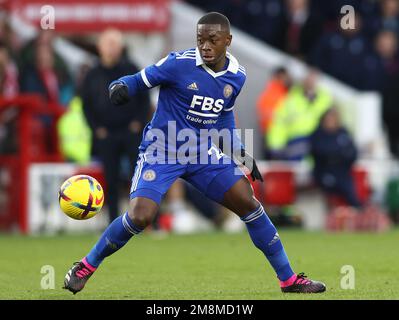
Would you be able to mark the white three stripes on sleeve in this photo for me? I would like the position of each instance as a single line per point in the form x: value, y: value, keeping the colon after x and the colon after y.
x: 145, y: 79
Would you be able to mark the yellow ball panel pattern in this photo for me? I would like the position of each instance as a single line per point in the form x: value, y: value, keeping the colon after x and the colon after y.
x: 81, y: 197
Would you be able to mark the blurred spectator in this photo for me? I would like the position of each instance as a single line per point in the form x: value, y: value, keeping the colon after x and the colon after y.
x: 296, y: 117
x: 334, y: 153
x: 275, y: 90
x: 301, y: 28
x: 330, y: 11
x: 74, y: 133
x: 8, y: 74
x: 41, y: 77
x: 8, y: 89
x: 387, y: 19
x: 380, y: 66
x: 387, y: 48
x: 116, y: 130
x: 289, y: 25
x: 383, y: 64
x: 44, y: 37
x: 43, y: 71
x: 342, y: 54
x: 75, y: 136
x: 7, y: 35
x: 262, y: 18
x: 311, y: 30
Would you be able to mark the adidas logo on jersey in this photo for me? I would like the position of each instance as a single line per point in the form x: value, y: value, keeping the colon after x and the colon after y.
x: 193, y: 86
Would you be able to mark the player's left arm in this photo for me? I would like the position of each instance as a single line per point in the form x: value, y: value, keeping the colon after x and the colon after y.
x: 236, y: 149
x: 161, y: 73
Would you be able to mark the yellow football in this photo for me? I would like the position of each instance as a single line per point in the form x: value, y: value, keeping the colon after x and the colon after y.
x: 81, y: 197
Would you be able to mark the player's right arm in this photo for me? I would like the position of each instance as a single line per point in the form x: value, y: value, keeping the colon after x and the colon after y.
x: 161, y: 73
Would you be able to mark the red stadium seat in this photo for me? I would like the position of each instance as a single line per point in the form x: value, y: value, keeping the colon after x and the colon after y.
x: 258, y: 188
x: 362, y: 186
x: 279, y: 187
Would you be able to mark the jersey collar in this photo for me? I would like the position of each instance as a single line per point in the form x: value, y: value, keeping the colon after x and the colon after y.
x: 232, y: 67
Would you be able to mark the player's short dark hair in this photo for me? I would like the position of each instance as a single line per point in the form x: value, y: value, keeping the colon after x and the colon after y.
x: 215, y: 18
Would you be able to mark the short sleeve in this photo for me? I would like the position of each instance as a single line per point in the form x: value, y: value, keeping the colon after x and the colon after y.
x: 161, y: 73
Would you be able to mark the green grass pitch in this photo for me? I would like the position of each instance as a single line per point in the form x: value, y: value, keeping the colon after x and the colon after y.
x: 202, y: 266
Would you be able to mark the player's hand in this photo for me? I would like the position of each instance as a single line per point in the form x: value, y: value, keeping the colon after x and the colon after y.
x: 250, y: 163
x: 255, y: 173
x: 118, y: 93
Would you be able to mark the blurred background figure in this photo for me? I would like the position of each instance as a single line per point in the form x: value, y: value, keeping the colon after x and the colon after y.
x: 386, y: 46
x: 334, y: 154
x: 43, y: 71
x: 42, y: 76
x: 8, y: 36
x: 117, y: 131
x: 280, y: 39
x: 9, y: 88
x: 387, y: 17
x: 275, y: 90
x: 75, y: 134
x: 296, y: 117
x: 386, y: 52
x: 342, y: 53
x: 301, y: 28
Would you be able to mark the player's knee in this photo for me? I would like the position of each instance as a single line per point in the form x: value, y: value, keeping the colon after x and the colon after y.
x: 141, y: 214
x: 246, y: 204
x: 240, y: 198
x: 250, y: 203
x: 141, y: 217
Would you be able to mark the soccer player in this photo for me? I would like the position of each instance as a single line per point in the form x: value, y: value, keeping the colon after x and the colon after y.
x: 198, y: 88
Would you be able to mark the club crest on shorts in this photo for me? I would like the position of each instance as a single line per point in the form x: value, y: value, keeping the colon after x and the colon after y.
x: 149, y: 175
x: 227, y: 91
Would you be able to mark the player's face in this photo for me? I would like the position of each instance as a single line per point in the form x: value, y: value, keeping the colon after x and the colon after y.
x: 212, y: 42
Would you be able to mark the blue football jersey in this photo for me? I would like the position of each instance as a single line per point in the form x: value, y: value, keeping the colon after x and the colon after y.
x: 191, y: 96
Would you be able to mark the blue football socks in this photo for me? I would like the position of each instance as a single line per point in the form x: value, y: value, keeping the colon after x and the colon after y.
x: 261, y: 230
x: 266, y: 238
x: 114, y: 237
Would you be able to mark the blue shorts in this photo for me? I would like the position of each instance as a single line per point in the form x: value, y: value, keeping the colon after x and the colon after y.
x: 213, y: 180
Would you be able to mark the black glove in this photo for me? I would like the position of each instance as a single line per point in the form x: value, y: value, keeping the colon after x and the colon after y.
x: 255, y: 173
x: 250, y: 163
x: 119, y: 93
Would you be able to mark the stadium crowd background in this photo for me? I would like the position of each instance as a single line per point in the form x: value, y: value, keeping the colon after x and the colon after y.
x: 365, y: 57
x: 296, y: 119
